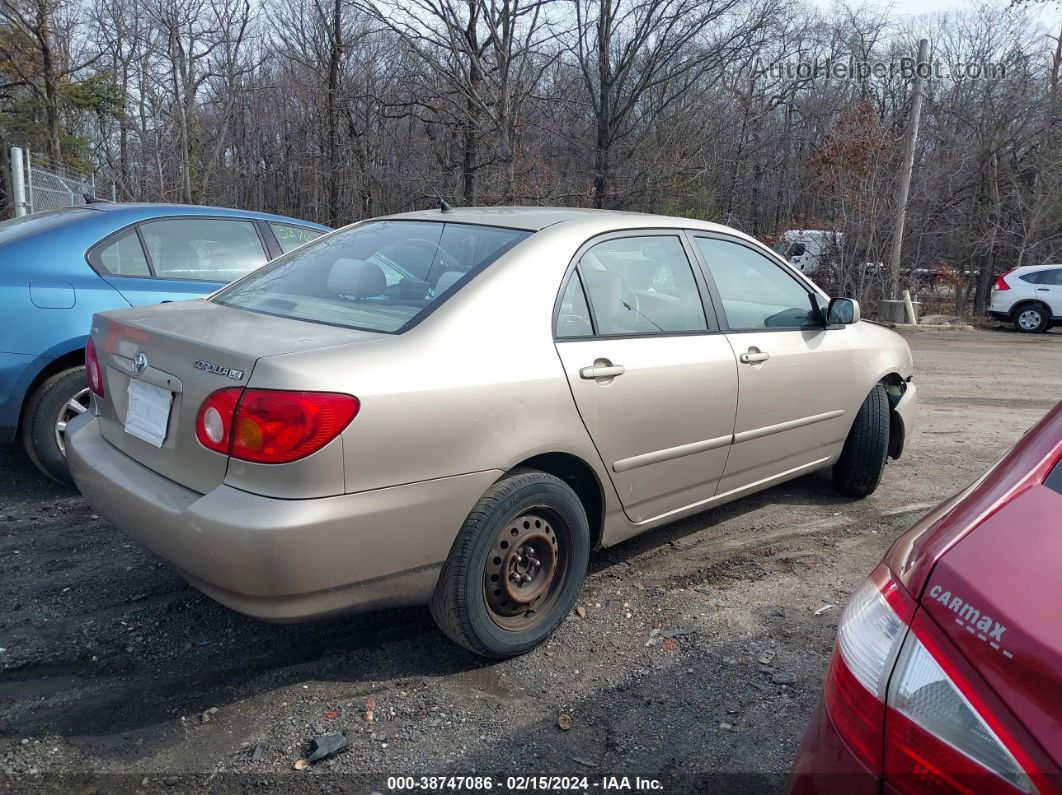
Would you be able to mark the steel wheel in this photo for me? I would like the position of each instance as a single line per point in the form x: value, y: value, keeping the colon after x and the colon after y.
x: 1030, y: 319
x: 526, y: 568
x: 78, y: 404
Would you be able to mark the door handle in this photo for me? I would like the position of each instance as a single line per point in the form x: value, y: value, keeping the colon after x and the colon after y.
x: 602, y: 372
x: 754, y: 357
x: 1043, y: 289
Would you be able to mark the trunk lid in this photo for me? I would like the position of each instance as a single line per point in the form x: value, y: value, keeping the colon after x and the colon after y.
x: 192, y: 349
x: 998, y: 595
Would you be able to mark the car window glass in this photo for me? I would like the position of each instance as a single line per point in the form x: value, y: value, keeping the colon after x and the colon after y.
x: 1032, y: 278
x: 203, y: 248
x: 124, y: 256
x: 573, y: 319
x: 378, y: 276
x: 290, y: 237
x: 755, y: 291
x: 642, y: 285
x: 1052, y: 277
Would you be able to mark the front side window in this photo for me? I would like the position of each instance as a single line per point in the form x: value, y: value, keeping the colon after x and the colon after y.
x: 642, y: 285
x: 756, y: 292
x: 210, y: 249
x: 379, y: 276
x: 124, y: 256
x: 290, y: 236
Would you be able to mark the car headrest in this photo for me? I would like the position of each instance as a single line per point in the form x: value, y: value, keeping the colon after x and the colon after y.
x: 447, y: 280
x: 606, y: 289
x: 357, y: 278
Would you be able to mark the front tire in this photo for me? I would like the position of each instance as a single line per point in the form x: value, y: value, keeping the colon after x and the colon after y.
x: 857, y: 472
x: 516, y: 567
x: 54, y: 403
x: 1031, y: 319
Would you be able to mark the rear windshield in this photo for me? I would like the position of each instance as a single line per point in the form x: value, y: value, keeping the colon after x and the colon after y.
x: 380, y: 276
x: 34, y: 223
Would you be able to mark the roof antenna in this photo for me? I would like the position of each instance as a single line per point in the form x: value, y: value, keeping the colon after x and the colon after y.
x: 444, y: 206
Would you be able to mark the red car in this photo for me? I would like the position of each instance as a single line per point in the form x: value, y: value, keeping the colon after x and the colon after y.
x: 947, y: 671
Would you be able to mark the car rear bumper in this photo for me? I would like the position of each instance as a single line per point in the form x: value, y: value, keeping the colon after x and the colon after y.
x: 280, y: 559
x: 824, y: 764
x: 14, y: 376
x: 998, y: 314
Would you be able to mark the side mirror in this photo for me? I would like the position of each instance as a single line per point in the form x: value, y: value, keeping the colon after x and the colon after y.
x: 842, y: 312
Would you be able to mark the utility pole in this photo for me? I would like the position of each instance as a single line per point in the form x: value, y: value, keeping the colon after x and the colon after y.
x: 908, y: 167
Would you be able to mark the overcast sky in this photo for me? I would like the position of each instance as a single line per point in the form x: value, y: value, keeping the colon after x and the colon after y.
x: 1050, y: 12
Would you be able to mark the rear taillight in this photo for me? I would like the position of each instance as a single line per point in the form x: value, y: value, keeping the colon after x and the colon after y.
x: 900, y: 712
x: 936, y: 740
x: 93, y: 372
x: 1001, y: 282
x: 869, y: 635
x: 213, y: 424
x: 271, y: 426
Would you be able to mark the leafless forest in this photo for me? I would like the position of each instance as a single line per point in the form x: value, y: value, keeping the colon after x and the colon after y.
x: 336, y: 110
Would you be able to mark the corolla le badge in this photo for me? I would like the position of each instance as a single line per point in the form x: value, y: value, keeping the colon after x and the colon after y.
x: 217, y: 369
x: 140, y: 363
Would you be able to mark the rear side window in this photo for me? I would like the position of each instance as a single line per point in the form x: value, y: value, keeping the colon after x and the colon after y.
x: 124, y: 256
x: 573, y: 319
x: 208, y: 249
x: 1052, y: 277
x: 756, y: 292
x: 1032, y: 278
x: 642, y: 285
x: 290, y: 237
x: 379, y: 276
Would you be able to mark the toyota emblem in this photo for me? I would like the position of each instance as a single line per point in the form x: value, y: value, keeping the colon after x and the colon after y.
x: 140, y: 363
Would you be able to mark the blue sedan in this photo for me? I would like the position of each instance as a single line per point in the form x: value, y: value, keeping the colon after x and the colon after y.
x: 57, y: 268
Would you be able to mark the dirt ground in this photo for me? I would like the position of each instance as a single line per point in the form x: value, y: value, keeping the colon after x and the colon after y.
x: 117, y: 676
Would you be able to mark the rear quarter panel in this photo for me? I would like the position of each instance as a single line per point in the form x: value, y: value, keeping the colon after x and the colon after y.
x: 48, y: 294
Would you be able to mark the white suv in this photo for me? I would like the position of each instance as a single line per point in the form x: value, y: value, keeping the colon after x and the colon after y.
x: 1030, y: 297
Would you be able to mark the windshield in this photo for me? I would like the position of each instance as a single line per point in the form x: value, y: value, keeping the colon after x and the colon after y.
x: 379, y: 276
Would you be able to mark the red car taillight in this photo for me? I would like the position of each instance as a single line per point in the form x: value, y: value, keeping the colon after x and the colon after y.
x: 869, y: 635
x: 93, y: 372
x: 900, y: 712
x: 270, y: 426
x: 1001, y: 282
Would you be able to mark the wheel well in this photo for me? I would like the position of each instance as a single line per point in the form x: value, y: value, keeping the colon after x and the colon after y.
x: 895, y: 386
x: 577, y: 474
x: 1026, y: 302
x: 74, y: 358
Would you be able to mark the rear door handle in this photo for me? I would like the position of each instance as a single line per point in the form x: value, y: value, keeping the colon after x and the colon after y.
x: 1043, y: 289
x: 754, y: 357
x: 602, y: 372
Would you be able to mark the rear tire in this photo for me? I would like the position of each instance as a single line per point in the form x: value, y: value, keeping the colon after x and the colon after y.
x: 857, y: 472
x: 516, y: 567
x: 48, y: 409
x: 1031, y: 319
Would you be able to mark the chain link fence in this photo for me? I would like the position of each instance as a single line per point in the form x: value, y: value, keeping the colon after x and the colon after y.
x: 40, y: 184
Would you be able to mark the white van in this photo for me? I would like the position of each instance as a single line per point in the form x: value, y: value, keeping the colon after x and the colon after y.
x: 807, y: 249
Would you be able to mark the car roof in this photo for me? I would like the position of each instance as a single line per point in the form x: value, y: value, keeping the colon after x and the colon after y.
x: 139, y: 210
x: 536, y: 218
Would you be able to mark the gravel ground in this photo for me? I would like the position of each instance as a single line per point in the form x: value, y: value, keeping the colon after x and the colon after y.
x: 698, y: 662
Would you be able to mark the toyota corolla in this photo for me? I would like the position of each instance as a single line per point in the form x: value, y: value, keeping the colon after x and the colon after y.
x: 454, y: 407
